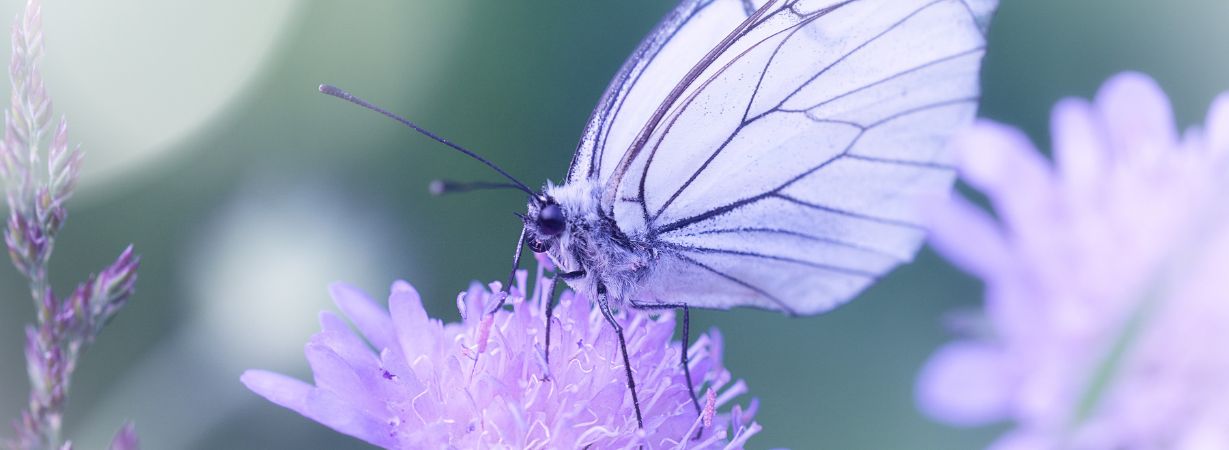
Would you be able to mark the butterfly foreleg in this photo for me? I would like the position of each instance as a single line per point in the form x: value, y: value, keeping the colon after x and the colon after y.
x: 627, y: 364
x: 516, y: 265
x: 550, y: 314
x: 550, y: 305
x: 695, y: 401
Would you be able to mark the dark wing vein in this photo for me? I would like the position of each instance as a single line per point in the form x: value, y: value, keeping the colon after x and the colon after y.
x: 617, y: 92
x: 645, y: 54
x: 847, y: 213
x: 973, y: 15
x: 881, y: 81
x: 827, y: 267
x: 810, y: 237
x: 669, y: 126
x: 745, y: 121
x: 852, y: 52
x: 914, y: 110
x: 902, y: 162
x: 721, y: 210
x: 642, y: 137
x: 768, y: 295
x: 730, y: 138
x: 760, y: 80
x: 724, y: 209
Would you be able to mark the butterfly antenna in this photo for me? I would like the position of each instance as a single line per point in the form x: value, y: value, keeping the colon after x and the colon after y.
x: 339, y: 93
x: 442, y: 187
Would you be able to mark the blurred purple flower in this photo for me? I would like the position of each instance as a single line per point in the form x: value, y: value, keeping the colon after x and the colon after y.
x: 1107, y: 301
x: 126, y: 438
x: 484, y: 383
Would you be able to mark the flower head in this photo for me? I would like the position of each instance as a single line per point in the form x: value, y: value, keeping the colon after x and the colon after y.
x: 485, y: 383
x: 1106, y: 300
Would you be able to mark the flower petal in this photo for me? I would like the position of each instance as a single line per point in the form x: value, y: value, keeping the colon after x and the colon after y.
x: 1001, y: 162
x: 348, y: 346
x: 370, y: 318
x: 1138, y: 118
x: 472, y: 303
x: 277, y: 388
x: 409, y: 319
x: 967, y: 237
x: 336, y: 412
x: 1217, y: 125
x: 964, y: 383
x: 330, y: 322
x: 333, y: 373
x: 1080, y: 147
x: 321, y: 406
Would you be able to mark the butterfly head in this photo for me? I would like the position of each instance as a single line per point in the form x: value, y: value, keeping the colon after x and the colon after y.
x: 545, y: 223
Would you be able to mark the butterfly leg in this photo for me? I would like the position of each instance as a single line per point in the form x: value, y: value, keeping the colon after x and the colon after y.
x: 550, y: 304
x: 695, y: 401
x: 516, y: 265
x: 627, y: 364
x: 550, y: 314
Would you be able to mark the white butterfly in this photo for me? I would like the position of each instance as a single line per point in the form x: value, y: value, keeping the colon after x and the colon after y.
x: 762, y: 154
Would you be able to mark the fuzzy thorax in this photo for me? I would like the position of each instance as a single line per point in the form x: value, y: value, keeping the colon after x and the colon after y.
x: 593, y: 243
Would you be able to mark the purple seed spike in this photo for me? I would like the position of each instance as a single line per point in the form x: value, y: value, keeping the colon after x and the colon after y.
x: 37, y: 196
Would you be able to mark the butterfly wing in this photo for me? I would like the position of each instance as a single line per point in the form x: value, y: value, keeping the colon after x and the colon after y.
x: 783, y: 169
x: 647, y: 77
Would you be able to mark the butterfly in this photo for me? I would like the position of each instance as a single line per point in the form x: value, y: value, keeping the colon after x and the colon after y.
x: 759, y: 153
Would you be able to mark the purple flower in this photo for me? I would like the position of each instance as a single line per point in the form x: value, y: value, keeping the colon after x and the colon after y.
x: 1107, y: 301
x: 484, y: 383
x: 126, y: 438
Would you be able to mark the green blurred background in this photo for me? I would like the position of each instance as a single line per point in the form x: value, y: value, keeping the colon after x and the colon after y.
x: 247, y: 192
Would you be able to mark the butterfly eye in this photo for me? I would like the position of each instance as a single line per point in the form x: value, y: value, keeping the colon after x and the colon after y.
x: 551, y: 220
